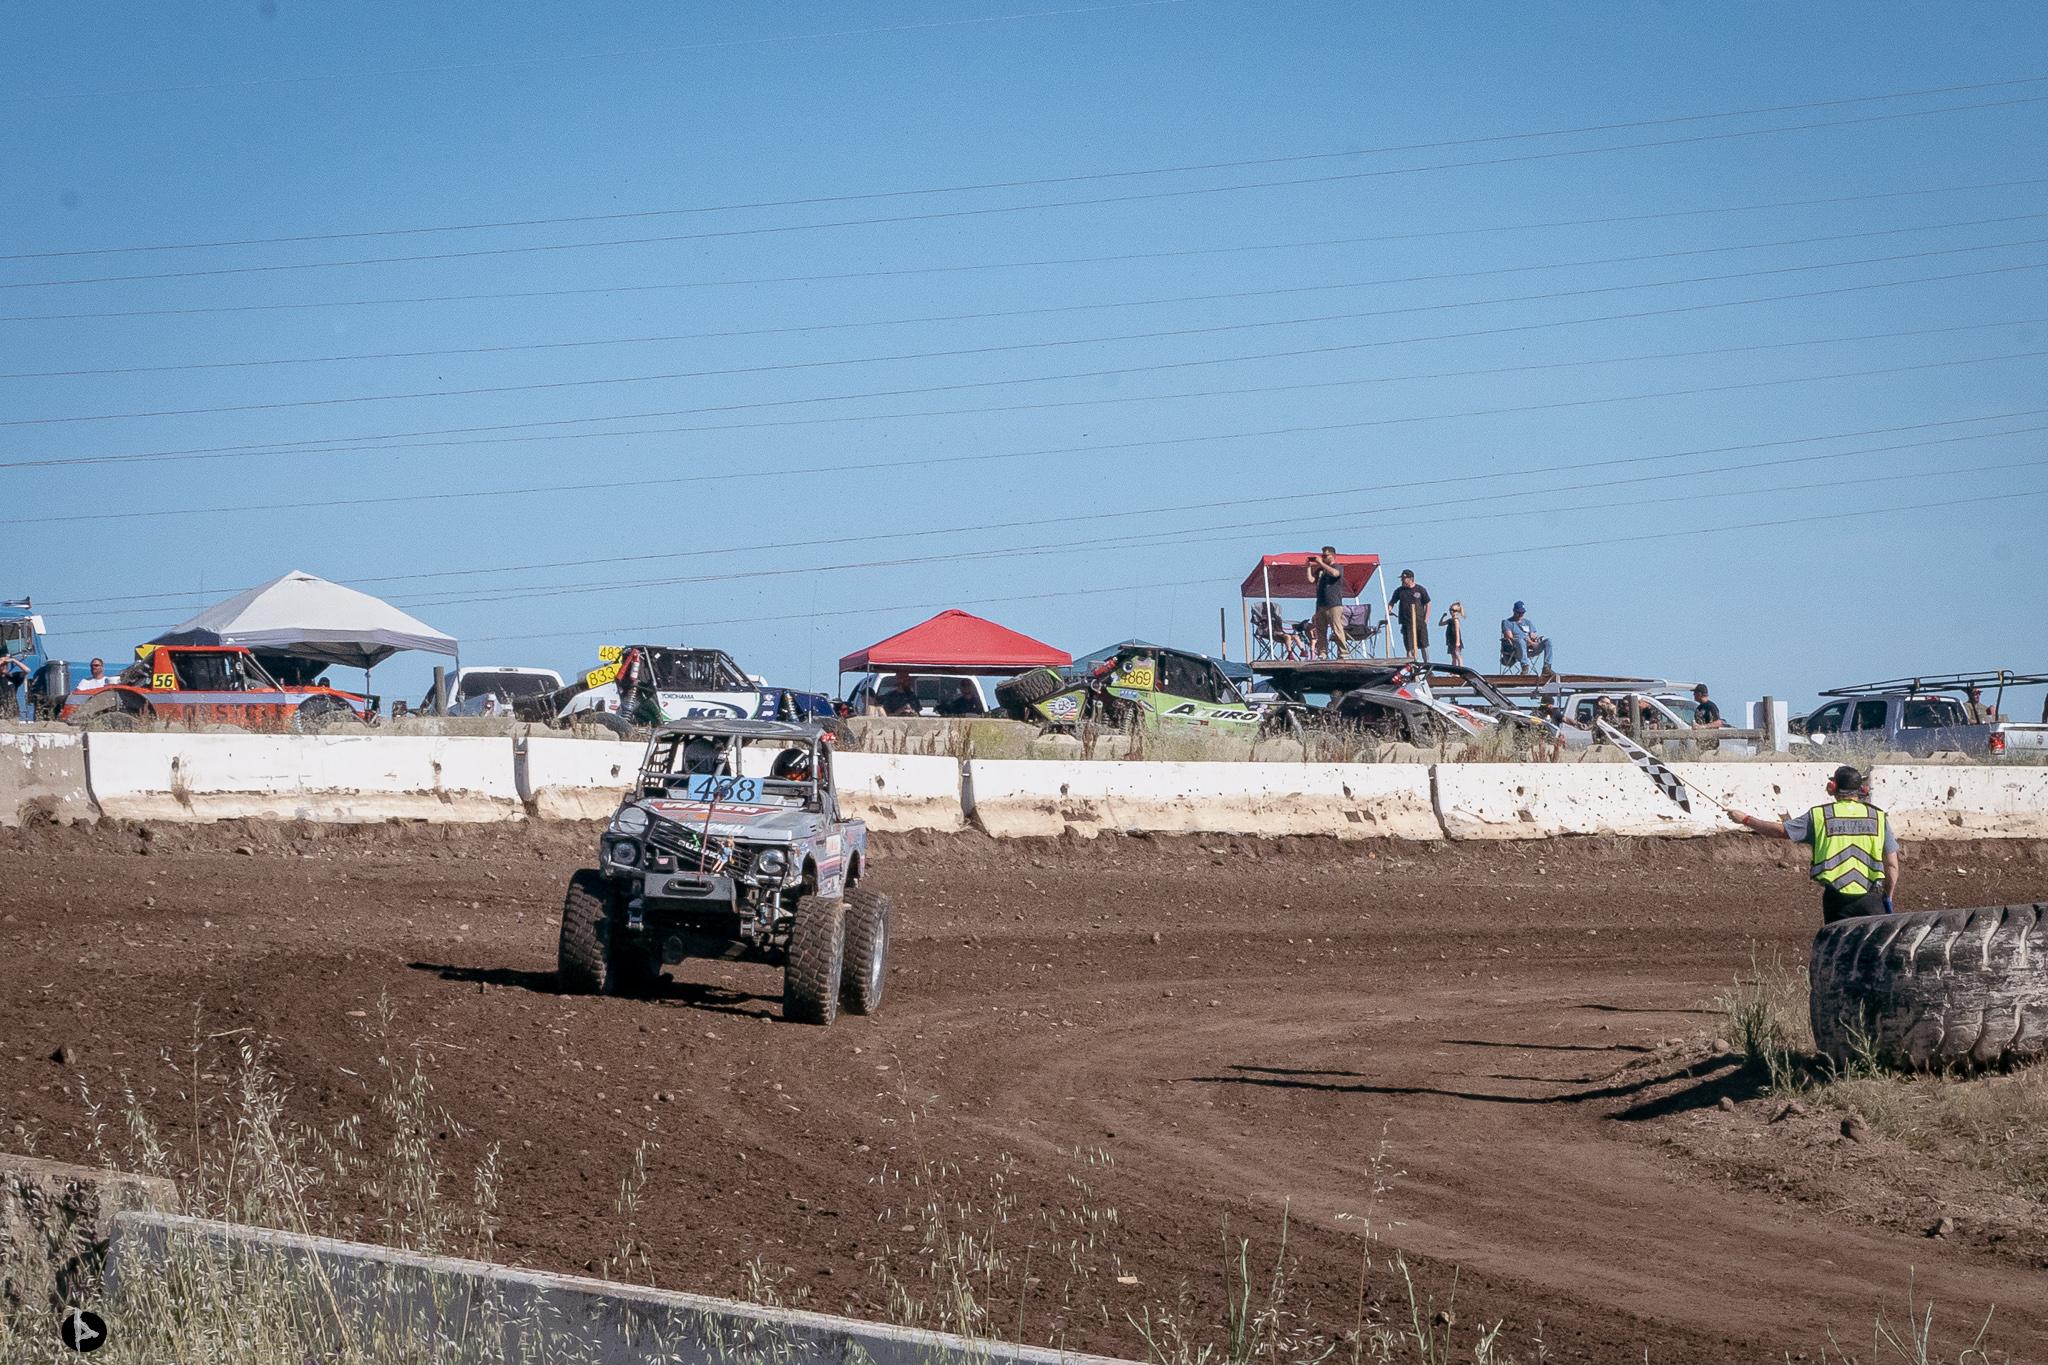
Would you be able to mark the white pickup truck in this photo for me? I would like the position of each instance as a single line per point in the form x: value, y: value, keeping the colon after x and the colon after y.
x: 1928, y: 716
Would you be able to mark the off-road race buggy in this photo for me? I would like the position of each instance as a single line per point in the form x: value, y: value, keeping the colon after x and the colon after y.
x: 653, y: 684
x: 213, y: 685
x: 1390, y: 699
x: 1133, y: 684
x: 731, y: 845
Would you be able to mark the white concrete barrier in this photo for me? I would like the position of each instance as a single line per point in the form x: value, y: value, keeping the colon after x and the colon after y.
x: 1545, y: 800
x: 1942, y: 801
x: 339, y: 778
x: 1013, y: 798
x: 436, y: 1307
x: 896, y: 792
x: 42, y: 774
x: 575, y: 779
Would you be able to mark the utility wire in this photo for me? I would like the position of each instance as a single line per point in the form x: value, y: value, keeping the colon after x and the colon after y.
x: 787, y: 366
x: 558, y: 58
x: 813, y: 201
x: 781, y: 471
x: 986, y: 211
x: 1442, y: 481
x: 1434, y: 233
x: 807, y: 328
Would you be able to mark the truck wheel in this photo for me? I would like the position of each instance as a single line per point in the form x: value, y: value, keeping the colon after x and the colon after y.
x: 594, y: 956
x: 320, y: 713
x: 1931, y: 989
x: 588, y: 721
x: 817, y: 953
x: 110, y: 713
x: 1028, y: 689
x: 867, y: 951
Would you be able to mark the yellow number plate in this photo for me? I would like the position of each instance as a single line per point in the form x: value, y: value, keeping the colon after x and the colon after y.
x: 1139, y: 677
x: 164, y: 682
x: 609, y: 654
x: 598, y: 677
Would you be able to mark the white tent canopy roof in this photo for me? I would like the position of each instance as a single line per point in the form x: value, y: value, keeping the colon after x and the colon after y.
x: 310, y: 618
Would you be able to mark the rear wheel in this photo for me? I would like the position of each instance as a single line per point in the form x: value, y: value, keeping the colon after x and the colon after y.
x: 1028, y: 689
x: 320, y: 713
x: 600, y: 722
x: 817, y: 955
x: 867, y: 951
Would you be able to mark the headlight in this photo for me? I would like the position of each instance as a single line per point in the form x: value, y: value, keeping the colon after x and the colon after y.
x: 624, y: 854
x: 631, y: 820
x: 772, y: 863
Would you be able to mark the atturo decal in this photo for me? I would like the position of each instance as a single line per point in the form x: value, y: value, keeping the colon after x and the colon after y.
x: 1188, y: 708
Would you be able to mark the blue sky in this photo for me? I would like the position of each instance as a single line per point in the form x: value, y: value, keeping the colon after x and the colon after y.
x: 1378, y: 349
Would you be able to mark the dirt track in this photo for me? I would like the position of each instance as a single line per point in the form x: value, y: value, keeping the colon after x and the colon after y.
x: 1234, y: 1024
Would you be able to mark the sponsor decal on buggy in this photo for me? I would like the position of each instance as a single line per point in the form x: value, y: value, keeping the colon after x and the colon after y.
x: 1188, y: 708
x: 697, y: 810
x: 1064, y: 707
x: 834, y: 843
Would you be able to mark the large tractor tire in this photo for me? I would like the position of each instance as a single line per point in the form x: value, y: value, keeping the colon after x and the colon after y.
x: 867, y: 951
x: 1029, y: 689
x: 817, y: 955
x: 1933, y: 989
x: 594, y: 956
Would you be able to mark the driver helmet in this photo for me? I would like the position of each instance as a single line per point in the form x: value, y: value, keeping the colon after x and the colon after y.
x: 701, y: 755
x: 792, y: 765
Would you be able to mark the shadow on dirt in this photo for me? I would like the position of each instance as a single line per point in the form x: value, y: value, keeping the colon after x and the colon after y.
x: 1714, y: 1077
x: 1548, y: 1047
x: 695, y: 995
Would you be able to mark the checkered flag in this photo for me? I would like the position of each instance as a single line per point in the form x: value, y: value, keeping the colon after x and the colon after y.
x: 1670, y: 783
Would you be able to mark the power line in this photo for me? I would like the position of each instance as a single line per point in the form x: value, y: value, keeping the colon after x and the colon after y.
x: 786, y: 471
x: 986, y: 211
x: 1442, y: 480
x: 557, y: 58
x: 326, y: 448
x: 1278, y: 292
x: 813, y: 201
x: 1144, y: 540
x: 787, y: 366
x: 1609, y: 220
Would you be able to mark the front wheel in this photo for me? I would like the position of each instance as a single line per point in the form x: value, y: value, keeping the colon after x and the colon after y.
x: 867, y: 951
x: 595, y: 956
x: 817, y: 956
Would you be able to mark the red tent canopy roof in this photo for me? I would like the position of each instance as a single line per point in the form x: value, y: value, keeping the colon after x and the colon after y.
x: 1288, y: 575
x: 956, y: 642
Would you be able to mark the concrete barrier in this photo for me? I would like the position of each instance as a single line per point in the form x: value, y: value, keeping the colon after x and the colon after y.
x: 1950, y: 801
x: 427, y: 1303
x: 575, y: 779
x: 896, y: 792
x: 42, y: 775
x: 1009, y: 798
x: 1545, y: 800
x: 346, y: 779
x: 55, y: 1223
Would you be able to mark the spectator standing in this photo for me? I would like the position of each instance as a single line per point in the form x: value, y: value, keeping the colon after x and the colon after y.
x: 1410, y: 605
x: 1453, y: 623
x: 1706, y: 714
x: 96, y: 679
x: 1523, y: 642
x: 1328, y: 628
x: 13, y: 677
x: 1976, y: 710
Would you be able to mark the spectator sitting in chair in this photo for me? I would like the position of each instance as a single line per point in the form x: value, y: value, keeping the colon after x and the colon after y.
x: 965, y: 701
x: 899, y: 698
x: 1519, y: 633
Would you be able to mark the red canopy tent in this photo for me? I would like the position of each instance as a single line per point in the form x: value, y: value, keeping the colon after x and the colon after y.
x: 1286, y: 576
x: 956, y: 642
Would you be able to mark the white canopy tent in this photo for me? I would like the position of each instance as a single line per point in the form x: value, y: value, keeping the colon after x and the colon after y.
x: 303, y: 617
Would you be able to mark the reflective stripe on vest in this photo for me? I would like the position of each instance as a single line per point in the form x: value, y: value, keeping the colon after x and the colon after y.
x: 1848, y: 847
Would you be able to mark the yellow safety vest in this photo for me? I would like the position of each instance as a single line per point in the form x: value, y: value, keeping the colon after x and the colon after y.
x: 1848, y: 847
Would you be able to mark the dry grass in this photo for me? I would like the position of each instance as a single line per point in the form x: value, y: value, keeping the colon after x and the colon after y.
x: 967, y: 1254
x: 1995, y: 1121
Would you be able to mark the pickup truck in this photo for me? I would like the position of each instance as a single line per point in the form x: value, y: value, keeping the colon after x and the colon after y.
x: 1922, y: 716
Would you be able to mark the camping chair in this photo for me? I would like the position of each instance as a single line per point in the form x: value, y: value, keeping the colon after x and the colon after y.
x: 1359, y: 629
x: 1276, y: 637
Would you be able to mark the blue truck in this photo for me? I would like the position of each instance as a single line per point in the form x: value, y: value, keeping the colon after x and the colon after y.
x: 33, y: 686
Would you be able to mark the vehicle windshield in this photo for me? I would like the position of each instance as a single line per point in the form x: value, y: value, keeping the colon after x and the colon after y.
x: 696, y: 670
x: 496, y: 683
x: 748, y: 770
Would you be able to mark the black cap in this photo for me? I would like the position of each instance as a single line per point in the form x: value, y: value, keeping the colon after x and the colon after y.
x: 1850, y: 778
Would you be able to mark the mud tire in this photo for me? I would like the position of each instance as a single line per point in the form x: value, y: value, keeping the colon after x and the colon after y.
x: 320, y: 714
x: 1933, y: 989
x: 865, y: 973
x: 116, y: 713
x: 817, y: 955
x: 585, y: 722
x: 1029, y: 689
x: 593, y: 956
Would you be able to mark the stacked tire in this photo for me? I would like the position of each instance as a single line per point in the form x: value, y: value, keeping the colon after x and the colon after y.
x: 1933, y: 989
